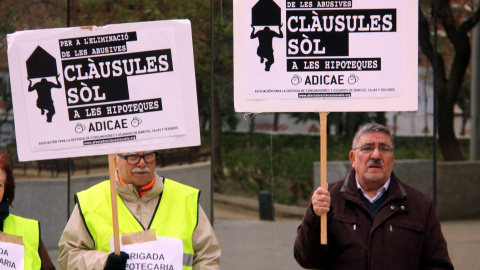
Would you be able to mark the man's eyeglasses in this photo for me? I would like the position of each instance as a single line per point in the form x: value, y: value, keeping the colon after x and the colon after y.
x: 134, y: 159
x: 369, y: 148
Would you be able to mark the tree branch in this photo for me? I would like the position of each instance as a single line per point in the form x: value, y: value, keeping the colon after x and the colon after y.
x: 461, y: 44
x: 426, y: 46
x: 471, y: 22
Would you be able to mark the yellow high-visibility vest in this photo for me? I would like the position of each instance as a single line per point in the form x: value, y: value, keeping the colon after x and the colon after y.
x: 175, y: 216
x: 29, y: 230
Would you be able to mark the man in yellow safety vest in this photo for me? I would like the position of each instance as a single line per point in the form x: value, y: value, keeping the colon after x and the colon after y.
x: 164, y: 213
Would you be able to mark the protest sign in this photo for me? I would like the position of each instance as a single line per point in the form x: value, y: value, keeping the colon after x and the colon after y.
x: 147, y: 251
x: 325, y: 55
x: 83, y: 91
x: 12, y: 251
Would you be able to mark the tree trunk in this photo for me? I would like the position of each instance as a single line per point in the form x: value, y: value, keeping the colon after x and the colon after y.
x: 446, y: 140
x: 251, y: 127
x: 380, y: 118
x: 448, y: 86
x: 216, y: 134
x: 275, y: 121
x: 350, y: 126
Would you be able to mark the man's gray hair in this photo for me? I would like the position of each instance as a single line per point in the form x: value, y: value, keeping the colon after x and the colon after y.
x: 370, y: 127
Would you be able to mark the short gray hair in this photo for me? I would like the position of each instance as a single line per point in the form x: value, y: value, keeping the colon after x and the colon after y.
x: 370, y: 127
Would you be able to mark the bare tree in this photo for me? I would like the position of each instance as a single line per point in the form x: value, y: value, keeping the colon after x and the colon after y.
x: 450, y: 74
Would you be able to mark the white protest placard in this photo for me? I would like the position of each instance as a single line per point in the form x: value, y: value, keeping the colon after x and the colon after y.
x: 83, y: 91
x: 325, y: 55
x: 164, y: 253
x: 11, y: 255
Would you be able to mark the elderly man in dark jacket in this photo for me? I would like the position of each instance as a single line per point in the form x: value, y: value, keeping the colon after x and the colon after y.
x: 374, y: 220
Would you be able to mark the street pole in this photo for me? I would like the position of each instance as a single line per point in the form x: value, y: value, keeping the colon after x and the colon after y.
x: 475, y: 95
x: 68, y: 160
x: 435, y: 102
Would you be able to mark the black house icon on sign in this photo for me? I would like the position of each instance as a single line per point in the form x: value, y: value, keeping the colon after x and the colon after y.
x: 266, y: 12
x: 41, y: 64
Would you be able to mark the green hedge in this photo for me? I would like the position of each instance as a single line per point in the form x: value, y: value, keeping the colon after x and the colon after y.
x: 283, y: 164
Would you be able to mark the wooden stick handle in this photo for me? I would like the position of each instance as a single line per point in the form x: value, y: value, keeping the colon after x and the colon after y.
x: 113, y: 193
x: 323, y: 173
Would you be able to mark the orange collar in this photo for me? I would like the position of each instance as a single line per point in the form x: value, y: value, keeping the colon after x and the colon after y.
x: 141, y: 190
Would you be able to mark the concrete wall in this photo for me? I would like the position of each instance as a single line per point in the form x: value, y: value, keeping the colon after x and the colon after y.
x: 46, y: 199
x: 458, y: 190
x: 458, y: 185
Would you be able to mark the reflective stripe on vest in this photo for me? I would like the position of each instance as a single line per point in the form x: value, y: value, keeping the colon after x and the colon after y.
x: 176, y: 215
x: 29, y: 230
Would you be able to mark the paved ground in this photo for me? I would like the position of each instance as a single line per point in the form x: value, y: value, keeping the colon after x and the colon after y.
x: 248, y: 243
x: 463, y: 239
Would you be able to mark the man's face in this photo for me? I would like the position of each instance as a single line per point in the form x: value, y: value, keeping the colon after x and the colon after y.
x: 140, y: 174
x: 372, y: 169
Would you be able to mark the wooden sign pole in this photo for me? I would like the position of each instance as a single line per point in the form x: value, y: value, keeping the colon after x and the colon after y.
x: 113, y: 193
x: 323, y: 173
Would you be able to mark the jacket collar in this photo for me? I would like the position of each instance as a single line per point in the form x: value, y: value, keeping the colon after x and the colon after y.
x: 396, y: 188
x: 129, y: 193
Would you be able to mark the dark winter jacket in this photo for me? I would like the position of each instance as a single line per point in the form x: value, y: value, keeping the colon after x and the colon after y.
x: 405, y: 234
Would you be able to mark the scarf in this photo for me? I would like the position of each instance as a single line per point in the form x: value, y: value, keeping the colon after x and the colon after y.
x: 4, y: 212
x: 141, y: 190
